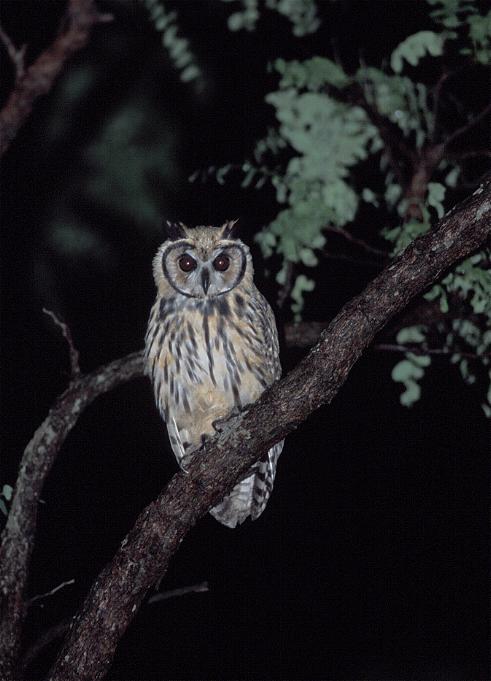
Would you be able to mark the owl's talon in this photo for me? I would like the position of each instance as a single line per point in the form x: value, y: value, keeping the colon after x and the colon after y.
x: 219, y: 423
x: 184, y: 463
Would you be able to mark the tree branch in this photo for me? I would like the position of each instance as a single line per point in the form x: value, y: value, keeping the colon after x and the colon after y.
x: 38, y: 458
x: 144, y: 554
x: 423, y: 170
x: 40, y: 453
x: 56, y: 631
x: 47, y: 594
x: 303, y: 334
x: 437, y: 92
x: 182, y: 591
x: 421, y: 350
x: 468, y: 126
x: 60, y: 629
x: 395, y: 145
x: 67, y: 335
x: 472, y: 153
x: 37, y: 80
x: 357, y: 242
x: 16, y: 55
x: 285, y: 290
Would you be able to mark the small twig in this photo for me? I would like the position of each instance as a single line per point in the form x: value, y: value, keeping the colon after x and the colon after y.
x: 58, y: 630
x: 75, y: 27
x: 40, y: 597
x: 336, y: 53
x: 67, y: 335
x: 475, y: 153
x: 396, y: 148
x: 436, y: 103
x: 16, y: 55
x: 173, y: 593
x: 418, y: 350
x: 354, y: 240
x: 104, y: 17
x: 470, y: 184
x: 285, y: 290
x: 350, y: 259
x: 468, y: 126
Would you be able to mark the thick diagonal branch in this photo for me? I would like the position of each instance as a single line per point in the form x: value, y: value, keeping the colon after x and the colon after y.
x: 38, y: 79
x: 145, y: 553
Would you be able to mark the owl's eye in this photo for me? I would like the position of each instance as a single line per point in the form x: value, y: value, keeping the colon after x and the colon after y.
x: 187, y: 263
x: 221, y: 262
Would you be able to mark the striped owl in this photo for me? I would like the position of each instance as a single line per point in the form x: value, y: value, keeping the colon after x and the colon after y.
x: 211, y: 348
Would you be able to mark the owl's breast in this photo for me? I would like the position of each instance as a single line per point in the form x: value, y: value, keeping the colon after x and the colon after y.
x: 203, y: 362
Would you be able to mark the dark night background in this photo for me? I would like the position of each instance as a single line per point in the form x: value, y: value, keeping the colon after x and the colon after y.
x: 371, y: 559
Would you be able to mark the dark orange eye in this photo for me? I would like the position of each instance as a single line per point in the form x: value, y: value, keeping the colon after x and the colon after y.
x: 187, y: 263
x: 221, y: 262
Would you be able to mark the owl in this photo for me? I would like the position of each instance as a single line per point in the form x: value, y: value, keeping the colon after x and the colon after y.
x: 211, y: 348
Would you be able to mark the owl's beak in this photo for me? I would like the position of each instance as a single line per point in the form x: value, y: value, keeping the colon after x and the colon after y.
x: 205, y: 280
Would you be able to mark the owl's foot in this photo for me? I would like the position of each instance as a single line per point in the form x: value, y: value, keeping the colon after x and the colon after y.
x: 187, y: 457
x: 219, y: 424
x: 184, y: 463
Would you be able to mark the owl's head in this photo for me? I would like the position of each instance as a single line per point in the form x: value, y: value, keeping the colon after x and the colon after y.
x: 201, y: 262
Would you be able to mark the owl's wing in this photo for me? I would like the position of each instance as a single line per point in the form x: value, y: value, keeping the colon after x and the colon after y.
x: 263, y: 480
x: 270, y: 346
x: 250, y: 496
x: 175, y: 438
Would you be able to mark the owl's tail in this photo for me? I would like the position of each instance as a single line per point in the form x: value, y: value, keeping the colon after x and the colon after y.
x: 250, y: 496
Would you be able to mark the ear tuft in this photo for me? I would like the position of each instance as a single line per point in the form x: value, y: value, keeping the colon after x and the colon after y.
x: 174, y: 230
x: 229, y: 229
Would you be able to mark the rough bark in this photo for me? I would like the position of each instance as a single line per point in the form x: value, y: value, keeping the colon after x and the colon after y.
x: 145, y: 553
x: 38, y: 79
x: 38, y: 458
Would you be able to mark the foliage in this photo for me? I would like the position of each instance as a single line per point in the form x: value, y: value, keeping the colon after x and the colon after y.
x: 5, y: 495
x: 329, y: 122
x: 301, y: 13
x: 417, y: 46
x: 411, y: 369
x: 339, y: 154
x: 463, y: 14
x: 177, y: 48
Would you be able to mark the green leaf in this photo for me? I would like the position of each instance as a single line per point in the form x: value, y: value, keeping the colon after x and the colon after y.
x: 444, y: 302
x: 191, y: 72
x: 311, y: 74
x: 480, y: 34
x: 416, y: 47
x: 411, y: 334
x: 452, y: 177
x: 7, y: 491
x: 302, y: 284
x: 419, y: 360
x: 281, y: 276
x: 308, y: 257
x: 342, y: 200
x: 411, y: 394
x: 370, y: 197
x: 436, y: 194
x: 3, y: 508
x: 408, y: 372
x: 447, y: 11
x: 178, y: 49
x: 402, y: 371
